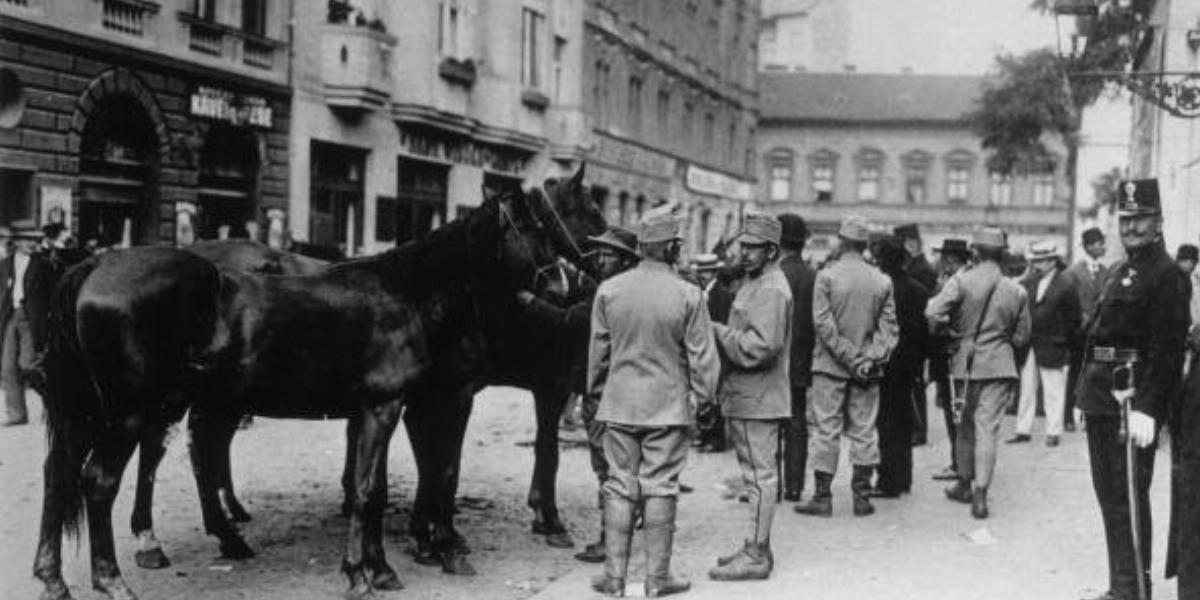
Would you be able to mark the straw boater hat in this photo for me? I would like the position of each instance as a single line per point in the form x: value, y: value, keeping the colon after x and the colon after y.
x: 760, y: 228
x: 1042, y: 250
x: 620, y: 239
x: 989, y: 237
x: 707, y: 262
x: 855, y: 229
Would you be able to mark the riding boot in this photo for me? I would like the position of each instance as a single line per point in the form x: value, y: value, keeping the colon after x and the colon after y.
x: 860, y: 484
x: 821, y: 503
x: 979, y: 505
x: 660, y: 534
x: 618, y: 534
x: 594, y: 552
x: 754, y: 561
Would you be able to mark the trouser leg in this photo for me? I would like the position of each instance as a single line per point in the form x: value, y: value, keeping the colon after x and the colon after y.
x: 993, y: 396
x: 945, y: 400
x: 1027, y: 407
x: 862, y: 408
x: 795, y: 444
x: 1076, y: 367
x: 965, y: 450
x: 756, y: 443
x: 826, y: 409
x: 1106, y: 450
x: 10, y: 370
x: 1054, y: 386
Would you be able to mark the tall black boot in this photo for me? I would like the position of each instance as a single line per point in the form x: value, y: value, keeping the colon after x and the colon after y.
x: 660, y: 535
x: 594, y: 552
x: 618, y: 534
x: 860, y: 484
x: 821, y: 503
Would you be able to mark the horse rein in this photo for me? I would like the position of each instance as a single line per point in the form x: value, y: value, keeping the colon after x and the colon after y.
x: 540, y: 270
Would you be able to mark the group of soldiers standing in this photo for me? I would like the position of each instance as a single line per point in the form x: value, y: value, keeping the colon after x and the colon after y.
x: 795, y: 358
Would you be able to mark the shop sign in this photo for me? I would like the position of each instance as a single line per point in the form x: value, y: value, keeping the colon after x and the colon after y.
x: 230, y: 107
x: 704, y: 181
x: 627, y: 156
x: 463, y: 151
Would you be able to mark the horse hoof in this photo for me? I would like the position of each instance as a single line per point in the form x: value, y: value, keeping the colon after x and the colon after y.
x: 236, y: 549
x: 386, y: 580
x: 114, y: 588
x: 561, y: 539
x: 237, y: 514
x: 152, y: 559
x: 454, y: 563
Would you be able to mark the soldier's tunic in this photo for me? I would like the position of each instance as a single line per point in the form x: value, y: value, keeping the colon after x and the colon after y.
x: 652, y: 360
x: 755, y: 392
x: 1143, y: 307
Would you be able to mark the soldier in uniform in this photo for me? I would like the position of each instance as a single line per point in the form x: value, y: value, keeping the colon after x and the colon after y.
x: 801, y: 278
x: 755, y: 392
x: 955, y: 256
x: 854, y: 314
x: 1141, y: 319
x: 651, y: 360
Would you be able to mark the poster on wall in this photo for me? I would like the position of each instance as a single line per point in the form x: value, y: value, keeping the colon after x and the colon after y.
x: 56, y: 205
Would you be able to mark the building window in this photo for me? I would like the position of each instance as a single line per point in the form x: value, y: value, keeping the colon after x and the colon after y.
x: 449, y: 17
x: 689, y: 113
x: 600, y: 94
x: 16, y: 187
x: 958, y: 176
x: 822, y: 165
x: 1043, y: 189
x: 870, y: 168
x: 663, y: 113
x: 635, y: 106
x: 710, y: 125
x: 916, y: 176
x: 781, y: 164
x: 560, y: 49
x: 205, y: 9
x: 1000, y: 190
x: 531, y: 35
x: 254, y: 17
x: 731, y: 146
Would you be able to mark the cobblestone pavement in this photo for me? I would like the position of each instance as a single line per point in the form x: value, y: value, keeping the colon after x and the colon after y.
x: 1045, y: 528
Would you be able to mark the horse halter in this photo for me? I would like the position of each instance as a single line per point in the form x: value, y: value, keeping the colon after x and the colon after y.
x: 541, y: 269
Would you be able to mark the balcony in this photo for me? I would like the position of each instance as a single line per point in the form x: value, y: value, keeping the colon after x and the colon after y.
x: 229, y: 46
x: 356, y: 67
x: 127, y: 17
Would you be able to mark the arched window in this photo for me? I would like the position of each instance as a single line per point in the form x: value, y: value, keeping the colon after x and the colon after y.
x: 781, y: 166
x: 822, y: 166
x: 869, y: 162
x: 959, y: 165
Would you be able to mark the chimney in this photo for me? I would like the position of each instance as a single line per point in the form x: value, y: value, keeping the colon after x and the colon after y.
x: 849, y: 68
x: 906, y: 70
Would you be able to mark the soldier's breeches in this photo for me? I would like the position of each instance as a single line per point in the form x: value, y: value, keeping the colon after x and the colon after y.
x: 839, y: 407
x: 979, y: 431
x: 1106, y: 450
x: 756, y: 443
x: 643, y: 461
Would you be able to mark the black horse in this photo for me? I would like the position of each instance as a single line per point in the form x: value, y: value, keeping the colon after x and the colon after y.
x: 138, y: 337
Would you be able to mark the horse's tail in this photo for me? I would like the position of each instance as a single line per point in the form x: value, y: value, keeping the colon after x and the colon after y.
x: 70, y: 400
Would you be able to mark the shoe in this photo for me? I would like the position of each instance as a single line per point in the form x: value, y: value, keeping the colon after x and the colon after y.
x: 947, y: 474
x: 960, y: 492
x: 1069, y: 427
x: 1051, y: 441
x: 792, y: 495
x: 821, y: 503
x: 13, y: 422
x: 1020, y: 438
x: 752, y: 562
x: 860, y: 485
x: 878, y: 492
x: 979, y: 505
x: 592, y: 553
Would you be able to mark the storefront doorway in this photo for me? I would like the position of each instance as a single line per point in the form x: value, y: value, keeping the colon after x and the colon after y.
x: 336, y: 196
x: 420, y: 198
x: 117, y: 175
x: 229, y: 166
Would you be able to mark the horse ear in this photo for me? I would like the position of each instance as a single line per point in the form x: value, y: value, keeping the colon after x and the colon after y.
x: 577, y: 178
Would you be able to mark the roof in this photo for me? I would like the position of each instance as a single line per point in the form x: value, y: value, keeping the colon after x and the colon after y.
x: 867, y: 97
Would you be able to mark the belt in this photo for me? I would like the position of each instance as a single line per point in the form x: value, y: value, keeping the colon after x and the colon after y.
x: 1109, y: 354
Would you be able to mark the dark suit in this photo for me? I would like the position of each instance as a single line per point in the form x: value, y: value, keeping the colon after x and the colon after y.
x: 720, y: 293
x: 1087, y: 288
x: 920, y: 269
x: 795, y: 442
x: 23, y: 327
x: 897, y: 413
x: 1055, y: 318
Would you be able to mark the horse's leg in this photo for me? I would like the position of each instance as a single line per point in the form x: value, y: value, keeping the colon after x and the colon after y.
x: 382, y: 575
x: 102, y: 480
x: 47, y: 566
x: 352, y: 428
x: 149, y: 554
x: 424, y: 436
x: 207, y: 430
x: 449, y: 545
x: 366, y: 514
x: 548, y: 403
x: 237, y: 512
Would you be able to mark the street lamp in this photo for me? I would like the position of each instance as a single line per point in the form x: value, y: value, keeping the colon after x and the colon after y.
x: 1118, y: 27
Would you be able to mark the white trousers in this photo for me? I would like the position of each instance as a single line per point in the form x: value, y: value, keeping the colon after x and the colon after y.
x: 1053, y: 383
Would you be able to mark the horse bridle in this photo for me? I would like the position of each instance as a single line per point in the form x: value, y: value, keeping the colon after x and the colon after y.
x: 542, y: 269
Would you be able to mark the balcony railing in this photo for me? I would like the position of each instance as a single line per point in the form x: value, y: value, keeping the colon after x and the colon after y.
x: 356, y: 66
x: 206, y: 37
x: 128, y: 17
x: 258, y: 53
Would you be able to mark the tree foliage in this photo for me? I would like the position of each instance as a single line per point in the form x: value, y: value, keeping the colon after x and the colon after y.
x: 1104, y: 194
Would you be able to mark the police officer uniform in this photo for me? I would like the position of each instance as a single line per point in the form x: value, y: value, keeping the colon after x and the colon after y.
x: 1140, y: 318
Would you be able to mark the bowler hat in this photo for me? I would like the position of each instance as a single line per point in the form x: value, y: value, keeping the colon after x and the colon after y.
x: 855, y: 229
x: 707, y: 262
x: 760, y: 228
x: 662, y: 227
x: 1092, y: 235
x: 26, y: 232
x: 989, y: 237
x: 1137, y: 197
x: 907, y: 231
x: 795, y: 231
x: 1188, y: 252
x: 1042, y: 250
x: 618, y: 238
x: 954, y: 246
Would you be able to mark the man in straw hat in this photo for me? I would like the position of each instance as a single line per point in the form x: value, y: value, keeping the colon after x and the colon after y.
x: 1054, y: 310
x: 1132, y: 364
x: 755, y: 392
x: 651, y: 359
x: 27, y: 277
x: 854, y: 314
x: 990, y: 316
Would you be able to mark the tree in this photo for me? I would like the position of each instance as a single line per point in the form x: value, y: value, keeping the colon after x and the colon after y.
x: 1104, y: 194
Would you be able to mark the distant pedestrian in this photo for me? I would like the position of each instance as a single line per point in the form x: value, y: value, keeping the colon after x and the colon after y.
x: 754, y: 389
x: 718, y: 298
x: 24, y: 309
x: 1087, y: 276
x: 1055, y: 314
x: 1186, y: 258
x: 651, y: 360
x: 955, y: 256
x: 990, y: 314
x: 918, y: 266
x: 801, y: 279
x: 854, y: 314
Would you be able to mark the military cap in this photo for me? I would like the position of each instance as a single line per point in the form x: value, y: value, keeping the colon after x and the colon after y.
x: 1042, y: 250
x: 1137, y: 197
x: 989, y: 237
x: 855, y: 229
x: 662, y: 227
x: 1188, y: 252
x: 907, y: 231
x: 1092, y: 235
x: 954, y: 246
x: 760, y: 228
x: 795, y: 231
x: 707, y: 262
x: 618, y: 238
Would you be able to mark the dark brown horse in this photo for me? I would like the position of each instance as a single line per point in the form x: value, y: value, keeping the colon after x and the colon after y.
x: 141, y: 336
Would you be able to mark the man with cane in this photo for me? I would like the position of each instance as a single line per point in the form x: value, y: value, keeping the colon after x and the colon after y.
x: 1132, y: 363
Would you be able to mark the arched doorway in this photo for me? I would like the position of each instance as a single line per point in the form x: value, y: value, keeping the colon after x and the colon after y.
x: 118, y: 170
x: 228, y: 180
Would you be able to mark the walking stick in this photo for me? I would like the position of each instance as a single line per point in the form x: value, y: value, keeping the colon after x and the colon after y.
x: 1124, y: 395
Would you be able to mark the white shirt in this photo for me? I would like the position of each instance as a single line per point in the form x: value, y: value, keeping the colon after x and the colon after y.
x: 1093, y: 264
x: 1044, y: 284
x: 20, y: 264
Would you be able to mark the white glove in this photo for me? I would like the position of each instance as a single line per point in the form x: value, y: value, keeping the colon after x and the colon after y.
x: 1141, y: 428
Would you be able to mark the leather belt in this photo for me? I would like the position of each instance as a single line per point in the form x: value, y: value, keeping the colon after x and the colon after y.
x: 1109, y: 354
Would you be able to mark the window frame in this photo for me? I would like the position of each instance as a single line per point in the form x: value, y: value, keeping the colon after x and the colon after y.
x: 533, y: 23
x: 822, y: 168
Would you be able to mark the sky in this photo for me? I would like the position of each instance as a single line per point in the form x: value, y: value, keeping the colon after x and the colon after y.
x: 943, y: 36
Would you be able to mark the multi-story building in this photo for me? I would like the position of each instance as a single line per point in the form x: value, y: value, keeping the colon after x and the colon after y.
x: 404, y: 111
x: 671, y: 100
x: 142, y: 121
x: 895, y: 149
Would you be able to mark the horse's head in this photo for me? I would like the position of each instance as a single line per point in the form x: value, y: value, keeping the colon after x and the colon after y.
x: 569, y: 203
x: 529, y: 244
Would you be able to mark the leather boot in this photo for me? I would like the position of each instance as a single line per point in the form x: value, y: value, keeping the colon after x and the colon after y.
x: 594, y: 552
x: 660, y: 534
x: 979, y: 507
x: 960, y: 491
x: 752, y: 562
x: 821, y: 503
x: 618, y: 534
x: 860, y: 484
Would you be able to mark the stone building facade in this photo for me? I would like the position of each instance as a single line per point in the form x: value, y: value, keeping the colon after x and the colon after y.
x: 895, y: 149
x: 144, y: 122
